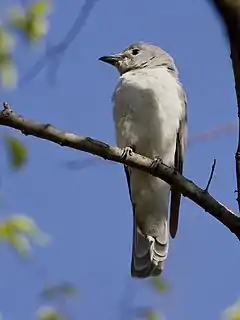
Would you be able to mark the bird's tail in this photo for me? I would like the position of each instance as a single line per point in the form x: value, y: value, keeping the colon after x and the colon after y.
x: 148, y: 252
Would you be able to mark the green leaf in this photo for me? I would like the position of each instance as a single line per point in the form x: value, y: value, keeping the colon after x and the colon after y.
x: 36, y: 29
x: 18, y: 230
x: 17, y: 19
x: 39, y: 8
x: 8, y: 74
x: 159, y: 284
x: 16, y: 150
x: 6, y: 42
x: 49, y: 313
x: 31, y: 23
x: 20, y: 243
x: 26, y: 225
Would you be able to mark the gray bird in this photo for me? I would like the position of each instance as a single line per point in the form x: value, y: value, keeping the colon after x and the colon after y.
x: 150, y: 118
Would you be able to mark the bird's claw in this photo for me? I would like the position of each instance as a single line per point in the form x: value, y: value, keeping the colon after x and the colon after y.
x: 127, y: 151
x: 150, y: 239
x: 175, y: 169
x: 156, y: 161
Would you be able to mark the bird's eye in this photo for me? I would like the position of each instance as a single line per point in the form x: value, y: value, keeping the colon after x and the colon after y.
x: 135, y: 51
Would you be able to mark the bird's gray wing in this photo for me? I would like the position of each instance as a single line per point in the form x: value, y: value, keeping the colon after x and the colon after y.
x: 178, y: 164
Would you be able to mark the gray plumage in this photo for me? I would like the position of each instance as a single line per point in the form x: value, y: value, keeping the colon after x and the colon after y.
x: 150, y: 117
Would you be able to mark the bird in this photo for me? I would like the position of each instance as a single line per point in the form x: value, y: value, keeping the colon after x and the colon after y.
x: 150, y: 116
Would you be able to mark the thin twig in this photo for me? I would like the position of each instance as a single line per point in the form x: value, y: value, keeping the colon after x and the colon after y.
x: 211, y: 175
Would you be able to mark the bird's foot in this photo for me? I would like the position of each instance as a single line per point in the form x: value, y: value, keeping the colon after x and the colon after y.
x: 150, y: 239
x: 156, y: 161
x: 127, y: 151
x: 175, y: 169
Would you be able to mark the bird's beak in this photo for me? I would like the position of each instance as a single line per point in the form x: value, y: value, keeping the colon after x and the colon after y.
x: 113, y: 59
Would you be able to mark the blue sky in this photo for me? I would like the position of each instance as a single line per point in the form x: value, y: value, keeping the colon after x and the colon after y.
x: 87, y: 211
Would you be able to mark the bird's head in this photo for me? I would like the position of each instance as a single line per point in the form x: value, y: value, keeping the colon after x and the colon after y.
x: 138, y: 56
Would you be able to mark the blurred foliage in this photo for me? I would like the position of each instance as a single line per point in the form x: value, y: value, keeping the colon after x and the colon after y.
x: 16, y: 151
x: 7, y: 67
x: 64, y: 289
x: 49, y: 313
x: 8, y: 73
x: 159, y: 284
x: 233, y: 312
x: 32, y: 24
x: 6, y: 42
x: 147, y: 313
x: 18, y: 230
x: 152, y: 315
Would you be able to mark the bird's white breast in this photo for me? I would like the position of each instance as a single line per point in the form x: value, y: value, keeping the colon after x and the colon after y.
x: 147, y: 110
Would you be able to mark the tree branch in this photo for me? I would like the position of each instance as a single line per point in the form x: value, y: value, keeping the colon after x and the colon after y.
x: 186, y: 187
x: 229, y: 10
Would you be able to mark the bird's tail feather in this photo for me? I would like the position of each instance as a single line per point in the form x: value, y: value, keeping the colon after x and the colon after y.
x: 148, y: 254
